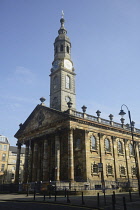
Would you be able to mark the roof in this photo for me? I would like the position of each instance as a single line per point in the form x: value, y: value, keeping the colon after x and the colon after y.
x: 4, y: 139
x: 14, y: 149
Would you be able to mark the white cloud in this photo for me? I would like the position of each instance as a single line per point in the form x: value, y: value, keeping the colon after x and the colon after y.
x: 22, y: 74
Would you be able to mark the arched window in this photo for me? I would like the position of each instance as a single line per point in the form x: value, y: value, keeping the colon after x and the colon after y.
x: 120, y: 147
x: 67, y: 82
x: 68, y: 49
x: 61, y: 48
x: 93, y: 143
x: 107, y: 145
x: 122, y: 170
x: 95, y: 168
x: 109, y: 170
x: 55, y: 82
x: 131, y: 149
x: 78, y: 144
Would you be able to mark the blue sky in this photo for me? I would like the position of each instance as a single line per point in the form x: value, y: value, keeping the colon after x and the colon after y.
x: 105, y: 37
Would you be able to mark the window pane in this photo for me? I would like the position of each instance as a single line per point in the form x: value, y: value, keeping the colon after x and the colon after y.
x: 122, y: 170
x: 107, y: 145
x: 2, y: 167
x: 68, y: 82
x: 95, y: 168
x: 131, y: 149
x: 5, y: 148
x: 109, y: 169
x: 93, y: 143
x: 3, y: 157
x: 55, y: 82
x: 120, y: 148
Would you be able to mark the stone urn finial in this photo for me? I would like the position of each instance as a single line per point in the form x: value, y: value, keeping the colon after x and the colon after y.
x: 42, y: 99
x: 84, y: 108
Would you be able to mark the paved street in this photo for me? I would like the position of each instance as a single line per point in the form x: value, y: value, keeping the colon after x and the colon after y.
x: 6, y: 205
x: 22, y: 201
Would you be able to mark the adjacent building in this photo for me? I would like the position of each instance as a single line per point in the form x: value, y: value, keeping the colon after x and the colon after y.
x: 74, y: 148
x: 11, y: 165
x: 4, y: 151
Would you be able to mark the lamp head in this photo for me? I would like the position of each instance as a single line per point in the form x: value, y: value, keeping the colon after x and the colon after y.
x: 122, y: 113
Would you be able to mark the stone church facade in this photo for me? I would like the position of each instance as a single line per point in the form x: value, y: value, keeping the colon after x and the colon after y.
x: 73, y: 148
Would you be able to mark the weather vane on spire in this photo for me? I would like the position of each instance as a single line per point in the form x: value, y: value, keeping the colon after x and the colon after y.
x: 62, y: 14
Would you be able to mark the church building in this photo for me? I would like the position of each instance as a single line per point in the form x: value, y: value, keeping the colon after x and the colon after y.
x: 72, y: 148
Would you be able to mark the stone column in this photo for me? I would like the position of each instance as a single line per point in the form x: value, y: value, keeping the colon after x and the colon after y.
x: 45, y: 161
x: 87, y: 154
x: 126, y: 160
x: 70, y: 156
x: 57, y: 158
x: 25, y: 178
x: 38, y: 163
x: 115, y: 157
x: 137, y: 160
x: 35, y: 158
x: 30, y: 162
x: 18, y: 162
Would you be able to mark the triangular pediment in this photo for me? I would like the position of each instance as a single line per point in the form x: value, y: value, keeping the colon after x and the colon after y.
x: 40, y: 117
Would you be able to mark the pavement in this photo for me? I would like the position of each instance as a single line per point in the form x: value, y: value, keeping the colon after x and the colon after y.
x: 123, y: 201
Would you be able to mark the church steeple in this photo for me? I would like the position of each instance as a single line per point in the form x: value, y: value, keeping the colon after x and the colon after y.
x: 62, y: 89
x: 62, y: 30
x: 62, y: 44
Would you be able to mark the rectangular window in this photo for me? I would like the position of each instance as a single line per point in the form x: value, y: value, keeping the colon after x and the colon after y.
x: 0, y: 146
x: 134, y: 171
x: 5, y: 148
x: 109, y: 170
x: 2, y: 167
x: 3, y: 157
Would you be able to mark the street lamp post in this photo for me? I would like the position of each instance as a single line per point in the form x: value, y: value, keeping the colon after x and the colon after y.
x: 132, y: 123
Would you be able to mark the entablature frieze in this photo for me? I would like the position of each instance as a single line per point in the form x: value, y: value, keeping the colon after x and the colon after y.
x: 106, y: 130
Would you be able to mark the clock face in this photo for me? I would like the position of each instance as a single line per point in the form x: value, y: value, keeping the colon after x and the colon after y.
x: 68, y: 64
x: 56, y: 64
x: 68, y: 99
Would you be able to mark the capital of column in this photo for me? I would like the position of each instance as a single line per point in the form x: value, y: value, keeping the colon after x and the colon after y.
x: 100, y: 135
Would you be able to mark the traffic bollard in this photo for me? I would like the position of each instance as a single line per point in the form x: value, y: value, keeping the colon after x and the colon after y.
x: 130, y: 196
x: 124, y: 203
x: 68, y: 200
x: 98, y: 200
x: 83, y: 203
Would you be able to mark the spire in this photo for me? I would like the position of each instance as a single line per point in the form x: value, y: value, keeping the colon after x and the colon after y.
x: 62, y: 29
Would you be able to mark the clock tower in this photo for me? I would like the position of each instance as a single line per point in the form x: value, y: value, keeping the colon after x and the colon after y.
x: 62, y: 77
